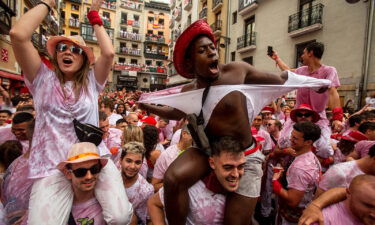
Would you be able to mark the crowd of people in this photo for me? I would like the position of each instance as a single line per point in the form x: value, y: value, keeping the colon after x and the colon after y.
x: 227, y: 148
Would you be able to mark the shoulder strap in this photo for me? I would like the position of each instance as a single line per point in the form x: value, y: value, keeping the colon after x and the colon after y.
x: 200, y: 119
x: 71, y: 220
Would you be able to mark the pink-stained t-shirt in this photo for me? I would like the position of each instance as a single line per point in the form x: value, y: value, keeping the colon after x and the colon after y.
x: 112, y: 119
x: 17, y: 186
x: 2, y: 214
x: 138, y: 195
x: 205, y: 207
x: 7, y: 135
x: 54, y: 131
x: 340, y: 175
x: 114, y: 138
x: 323, y: 144
x: 318, y: 101
x: 164, y: 160
x: 176, y: 137
x: 267, y: 144
x: 89, y: 212
x: 339, y: 214
x: 304, y: 175
x: 363, y: 147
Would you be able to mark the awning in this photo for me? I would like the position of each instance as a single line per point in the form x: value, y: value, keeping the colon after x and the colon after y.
x: 10, y: 75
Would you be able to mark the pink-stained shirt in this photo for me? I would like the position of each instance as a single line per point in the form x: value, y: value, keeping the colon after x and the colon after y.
x: 54, y: 131
x: 138, y: 195
x: 339, y: 214
x: 113, y: 118
x: 323, y: 144
x: 340, y: 175
x: 318, y: 101
x: 7, y: 135
x: 2, y: 214
x: 17, y: 186
x: 267, y: 144
x: 164, y: 160
x: 176, y: 137
x: 303, y: 175
x: 363, y: 147
x: 89, y: 212
x: 114, y: 138
x: 205, y: 206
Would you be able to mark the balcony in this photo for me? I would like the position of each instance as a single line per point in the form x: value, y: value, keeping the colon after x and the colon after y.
x: 216, y: 27
x: 38, y: 42
x: 7, y: 11
x: 155, y: 54
x: 131, y: 5
x: 178, y: 14
x: 129, y: 36
x: 155, y: 39
x: 246, y: 6
x: 74, y: 23
x: 246, y: 42
x: 171, y: 23
x: 87, y: 32
x: 106, y: 22
x: 306, y: 21
x: 75, y: 1
x: 109, y: 5
x: 203, y: 14
x: 129, y: 51
x: 188, y: 4
x: 139, y: 68
x: 217, y: 5
x: 157, y: 5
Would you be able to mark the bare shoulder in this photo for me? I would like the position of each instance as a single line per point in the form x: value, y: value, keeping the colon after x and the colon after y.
x: 188, y: 87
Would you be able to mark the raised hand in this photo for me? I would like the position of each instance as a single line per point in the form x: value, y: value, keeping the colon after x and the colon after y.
x: 96, y: 4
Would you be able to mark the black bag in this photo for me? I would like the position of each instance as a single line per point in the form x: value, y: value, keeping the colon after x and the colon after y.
x: 87, y: 132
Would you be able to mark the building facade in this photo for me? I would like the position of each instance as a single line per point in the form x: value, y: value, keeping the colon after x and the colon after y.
x: 289, y: 25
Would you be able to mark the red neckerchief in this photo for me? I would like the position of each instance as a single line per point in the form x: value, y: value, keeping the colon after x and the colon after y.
x: 212, y: 183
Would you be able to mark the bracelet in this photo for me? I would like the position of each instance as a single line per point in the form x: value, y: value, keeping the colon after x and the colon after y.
x: 48, y: 7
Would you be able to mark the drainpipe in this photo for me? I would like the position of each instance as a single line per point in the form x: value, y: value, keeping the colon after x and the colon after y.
x: 366, y: 54
x: 227, y: 44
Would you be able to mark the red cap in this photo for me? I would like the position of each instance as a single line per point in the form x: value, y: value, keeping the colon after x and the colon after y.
x: 199, y: 27
x: 354, y: 136
x: 307, y: 107
x: 149, y: 120
x: 268, y: 109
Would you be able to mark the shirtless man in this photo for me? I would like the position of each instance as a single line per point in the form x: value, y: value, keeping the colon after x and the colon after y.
x: 196, y: 57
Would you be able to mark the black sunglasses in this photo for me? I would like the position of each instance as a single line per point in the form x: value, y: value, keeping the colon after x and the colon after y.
x: 81, y: 172
x: 61, y: 47
x: 308, y: 114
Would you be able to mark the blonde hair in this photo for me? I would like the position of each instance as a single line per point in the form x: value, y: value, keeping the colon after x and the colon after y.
x: 81, y: 76
x: 133, y: 147
x: 132, y: 133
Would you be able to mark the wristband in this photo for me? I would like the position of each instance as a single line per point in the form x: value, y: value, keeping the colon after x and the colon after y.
x: 94, y: 18
x: 338, y: 114
x: 48, y: 7
x: 276, y: 186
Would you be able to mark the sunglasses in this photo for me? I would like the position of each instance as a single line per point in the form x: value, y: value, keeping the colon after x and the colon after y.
x: 81, y: 172
x: 61, y: 47
x: 308, y: 114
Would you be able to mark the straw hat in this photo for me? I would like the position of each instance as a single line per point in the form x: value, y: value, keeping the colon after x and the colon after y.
x: 197, y: 28
x: 78, y: 40
x: 82, y: 152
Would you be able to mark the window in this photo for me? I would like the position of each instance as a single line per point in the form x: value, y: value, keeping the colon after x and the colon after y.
x: 133, y: 61
x: 72, y: 33
x: 233, y: 56
x: 234, y: 17
x: 122, y: 45
x: 106, y: 15
x: 121, y: 60
x: 161, y: 33
x: 299, y: 51
x: 149, y: 31
x: 161, y: 21
x: 75, y: 7
x: 306, y: 15
x: 134, y: 46
x: 136, y: 31
x: 217, y: 16
x: 249, y: 31
x: 159, y: 63
x: 248, y: 60
x: 124, y: 17
x: 74, y: 16
x: 150, y: 19
x: 148, y: 62
x: 136, y: 17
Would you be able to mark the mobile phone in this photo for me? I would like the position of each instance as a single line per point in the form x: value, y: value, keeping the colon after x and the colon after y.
x: 270, y: 51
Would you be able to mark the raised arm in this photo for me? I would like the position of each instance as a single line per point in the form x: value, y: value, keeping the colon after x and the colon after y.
x: 103, y: 64
x: 20, y: 35
x: 280, y: 63
x: 163, y: 111
x: 254, y: 76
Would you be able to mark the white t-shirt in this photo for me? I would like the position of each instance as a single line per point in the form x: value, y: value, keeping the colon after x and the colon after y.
x: 113, y: 118
x: 206, y: 207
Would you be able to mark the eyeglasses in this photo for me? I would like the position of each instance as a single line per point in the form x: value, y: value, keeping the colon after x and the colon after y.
x: 81, y: 172
x: 308, y: 114
x: 61, y: 47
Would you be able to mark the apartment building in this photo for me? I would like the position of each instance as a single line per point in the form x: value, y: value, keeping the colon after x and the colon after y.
x: 289, y: 25
x: 184, y: 12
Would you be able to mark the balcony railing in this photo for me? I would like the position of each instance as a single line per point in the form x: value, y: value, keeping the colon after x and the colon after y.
x: 203, y: 13
x: 245, y: 6
x: 74, y: 22
x: 109, y: 5
x: 305, y: 18
x: 129, y: 51
x: 246, y: 40
x: 131, y: 5
x: 87, y: 32
x: 155, y: 54
x: 216, y: 4
x: 155, y: 39
x: 129, y: 36
x: 216, y: 26
x: 188, y: 4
